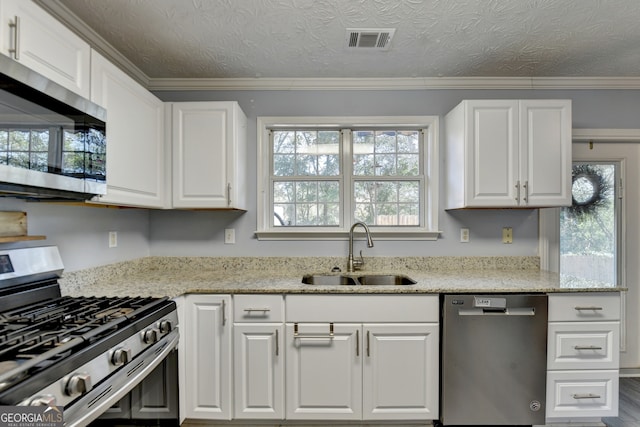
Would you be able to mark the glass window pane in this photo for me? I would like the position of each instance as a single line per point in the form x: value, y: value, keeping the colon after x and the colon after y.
x: 588, y: 228
x: 408, y: 165
x: 329, y: 142
x: 19, y: 159
x: 329, y: 192
x: 363, y: 165
x: 283, y: 164
x: 306, y: 191
x: 408, y: 142
x: 385, y: 165
x: 283, y: 214
x: 39, y: 161
x: 39, y: 140
x: 4, y: 140
x: 307, y: 142
x: 306, y: 165
x: 283, y: 192
x: 19, y: 140
x: 363, y: 142
x: 385, y: 142
x: 283, y: 142
x: 329, y: 165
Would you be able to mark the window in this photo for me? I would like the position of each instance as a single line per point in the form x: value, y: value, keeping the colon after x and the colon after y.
x: 317, y: 176
x: 590, y: 227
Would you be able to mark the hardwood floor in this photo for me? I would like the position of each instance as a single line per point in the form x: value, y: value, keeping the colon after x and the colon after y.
x: 629, y: 410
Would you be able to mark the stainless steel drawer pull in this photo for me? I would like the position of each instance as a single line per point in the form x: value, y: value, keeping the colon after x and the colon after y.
x: 587, y: 347
x: 297, y: 335
x: 368, y: 345
x: 277, y: 343
x: 588, y: 308
x: 586, y: 396
x: 224, y: 313
x: 357, y: 342
x: 250, y: 310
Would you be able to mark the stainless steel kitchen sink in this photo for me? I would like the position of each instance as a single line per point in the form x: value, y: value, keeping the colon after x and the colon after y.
x: 364, y: 280
x: 328, y: 280
x: 387, y: 279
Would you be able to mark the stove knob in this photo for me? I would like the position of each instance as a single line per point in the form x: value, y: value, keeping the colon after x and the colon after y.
x: 150, y: 336
x: 165, y: 326
x: 45, y: 400
x: 78, y: 384
x: 120, y: 356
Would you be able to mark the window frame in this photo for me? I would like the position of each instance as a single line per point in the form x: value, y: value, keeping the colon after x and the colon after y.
x: 430, y: 160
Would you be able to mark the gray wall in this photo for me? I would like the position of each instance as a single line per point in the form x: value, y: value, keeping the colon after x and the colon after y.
x: 201, y: 233
x: 82, y: 232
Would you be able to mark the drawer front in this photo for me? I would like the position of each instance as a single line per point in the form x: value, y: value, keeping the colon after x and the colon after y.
x: 584, y: 345
x: 258, y: 308
x: 584, y: 307
x: 362, y: 308
x: 582, y: 394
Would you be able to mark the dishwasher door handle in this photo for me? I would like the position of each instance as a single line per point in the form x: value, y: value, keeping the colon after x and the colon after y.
x: 524, y: 311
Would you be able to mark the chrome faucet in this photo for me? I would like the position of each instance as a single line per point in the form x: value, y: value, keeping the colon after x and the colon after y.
x: 356, y: 264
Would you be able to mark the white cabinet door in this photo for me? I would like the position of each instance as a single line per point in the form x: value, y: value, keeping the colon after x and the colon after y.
x: 46, y: 46
x: 258, y: 371
x: 545, y: 160
x: 401, y: 368
x: 207, y: 338
x: 508, y: 153
x: 135, y: 135
x: 324, y: 372
x: 209, y: 160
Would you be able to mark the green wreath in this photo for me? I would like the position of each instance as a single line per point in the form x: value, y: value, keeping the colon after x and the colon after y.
x: 589, y: 190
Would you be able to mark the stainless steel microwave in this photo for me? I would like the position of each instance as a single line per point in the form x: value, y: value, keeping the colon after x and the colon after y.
x: 52, y: 142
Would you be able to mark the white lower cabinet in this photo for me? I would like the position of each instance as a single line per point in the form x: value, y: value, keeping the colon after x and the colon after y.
x: 324, y: 371
x: 583, y: 357
x: 367, y: 365
x: 400, y: 371
x: 208, y: 356
x: 259, y: 357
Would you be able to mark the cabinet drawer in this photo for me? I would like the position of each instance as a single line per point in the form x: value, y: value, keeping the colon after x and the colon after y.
x: 585, y: 345
x: 362, y: 308
x: 582, y: 307
x: 258, y: 308
x: 582, y: 394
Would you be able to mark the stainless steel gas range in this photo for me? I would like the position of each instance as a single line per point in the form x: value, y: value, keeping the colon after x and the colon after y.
x: 80, y: 353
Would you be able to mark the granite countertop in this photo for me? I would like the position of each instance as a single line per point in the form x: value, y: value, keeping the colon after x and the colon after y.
x: 175, y: 276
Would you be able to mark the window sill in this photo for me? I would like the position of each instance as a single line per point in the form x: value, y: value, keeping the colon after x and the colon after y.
x: 344, y: 235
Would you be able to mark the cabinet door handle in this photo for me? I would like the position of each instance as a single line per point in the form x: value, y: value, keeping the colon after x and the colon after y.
x: 518, y: 192
x: 229, y: 194
x: 297, y: 335
x: 15, y: 26
x: 368, y: 345
x: 586, y: 396
x: 277, y: 343
x: 526, y: 193
x: 588, y: 308
x: 587, y: 347
x: 357, y: 342
x: 250, y: 310
x: 224, y: 314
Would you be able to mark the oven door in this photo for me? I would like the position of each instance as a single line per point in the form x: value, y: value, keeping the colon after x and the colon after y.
x: 106, y: 394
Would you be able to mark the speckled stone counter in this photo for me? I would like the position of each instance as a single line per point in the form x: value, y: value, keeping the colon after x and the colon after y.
x: 174, y: 276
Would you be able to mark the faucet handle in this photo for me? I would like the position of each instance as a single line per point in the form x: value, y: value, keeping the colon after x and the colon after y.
x: 358, y: 263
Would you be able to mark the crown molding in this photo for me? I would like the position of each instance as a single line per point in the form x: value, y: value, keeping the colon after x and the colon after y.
x: 97, y: 42
x: 414, y: 83
x: 606, y: 135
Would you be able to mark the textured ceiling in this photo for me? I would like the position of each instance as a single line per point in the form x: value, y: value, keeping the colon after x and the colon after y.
x: 434, y: 38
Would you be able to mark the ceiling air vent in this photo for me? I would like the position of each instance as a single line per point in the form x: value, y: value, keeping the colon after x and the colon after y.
x: 370, y: 38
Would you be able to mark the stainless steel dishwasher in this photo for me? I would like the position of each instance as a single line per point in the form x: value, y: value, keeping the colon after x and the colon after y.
x: 494, y: 359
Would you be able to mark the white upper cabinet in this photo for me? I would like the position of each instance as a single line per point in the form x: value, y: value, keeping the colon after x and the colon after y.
x: 135, y: 135
x: 508, y: 153
x: 34, y: 38
x: 209, y: 155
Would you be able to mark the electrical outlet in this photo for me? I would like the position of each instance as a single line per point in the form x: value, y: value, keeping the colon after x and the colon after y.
x: 113, y: 239
x: 229, y: 236
x: 464, y: 235
x: 507, y: 235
